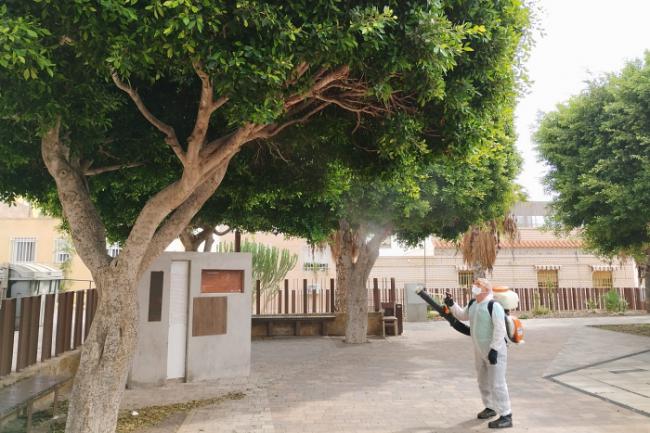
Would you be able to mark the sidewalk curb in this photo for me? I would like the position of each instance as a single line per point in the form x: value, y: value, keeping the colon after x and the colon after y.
x: 552, y: 378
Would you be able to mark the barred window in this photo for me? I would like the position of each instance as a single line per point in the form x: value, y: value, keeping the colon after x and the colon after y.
x: 23, y: 250
x: 602, y: 279
x: 465, y: 278
x: 61, y: 250
x: 547, y: 279
x: 113, y: 250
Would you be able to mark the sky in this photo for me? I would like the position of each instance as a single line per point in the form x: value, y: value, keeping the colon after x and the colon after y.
x: 581, y: 40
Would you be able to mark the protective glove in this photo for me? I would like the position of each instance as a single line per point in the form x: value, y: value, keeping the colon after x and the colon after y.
x: 449, y: 301
x: 492, y: 357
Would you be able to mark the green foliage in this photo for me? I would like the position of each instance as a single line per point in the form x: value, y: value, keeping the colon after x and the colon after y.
x: 591, y: 305
x: 27, y: 56
x: 432, y: 315
x: 270, y: 264
x: 453, y: 63
x: 66, y: 265
x: 597, y: 147
x: 614, y: 303
x: 538, y: 308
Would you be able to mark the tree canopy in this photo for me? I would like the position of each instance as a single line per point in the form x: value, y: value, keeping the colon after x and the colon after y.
x: 136, y: 108
x: 597, y: 147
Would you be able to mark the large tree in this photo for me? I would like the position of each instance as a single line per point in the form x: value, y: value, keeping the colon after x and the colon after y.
x: 597, y: 147
x: 355, y: 201
x: 368, y: 183
x: 441, y: 198
x: 153, y: 99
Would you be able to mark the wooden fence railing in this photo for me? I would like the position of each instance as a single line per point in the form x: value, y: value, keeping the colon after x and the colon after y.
x: 319, y: 296
x: 560, y: 299
x: 35, y: 328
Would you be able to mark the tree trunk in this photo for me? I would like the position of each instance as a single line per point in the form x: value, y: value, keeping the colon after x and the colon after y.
x: 192, y: 242
x: 342, y: 283
x: 209, y: 241
x: 356, y: 327
x: 355, y: 258
x: 647, y: 282
x: 105, y: 356
x: 188, y: 239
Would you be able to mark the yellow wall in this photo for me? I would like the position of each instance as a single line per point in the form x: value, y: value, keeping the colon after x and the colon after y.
x: 45, y: 230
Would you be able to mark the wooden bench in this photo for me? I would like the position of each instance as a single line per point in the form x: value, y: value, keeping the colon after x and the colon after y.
x: 22, y: 394
x: 296, y: 319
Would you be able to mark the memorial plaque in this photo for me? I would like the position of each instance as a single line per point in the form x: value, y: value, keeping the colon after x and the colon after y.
x: 210, y: 316
x: 155, y: 296
x: 222, y: 281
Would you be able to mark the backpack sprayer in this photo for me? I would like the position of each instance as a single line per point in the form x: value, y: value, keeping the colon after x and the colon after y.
x: 507, y: 298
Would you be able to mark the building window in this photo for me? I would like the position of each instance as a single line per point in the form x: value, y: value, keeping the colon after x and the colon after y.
x: 61, y: 250
x: 23, y: 250
x: 547, y: 279
x: 465, y: 279
x: 533, y: 221
x: 113, y: 250
x: 602, y: 279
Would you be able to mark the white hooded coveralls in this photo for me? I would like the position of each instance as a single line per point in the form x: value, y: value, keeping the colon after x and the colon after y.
x: 488, y: 332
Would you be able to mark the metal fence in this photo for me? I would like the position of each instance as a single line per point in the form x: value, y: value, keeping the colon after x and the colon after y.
x: 36, y: 328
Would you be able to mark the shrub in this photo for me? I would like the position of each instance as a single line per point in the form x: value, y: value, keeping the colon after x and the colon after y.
x: 538, y: 308
x: 432, y: 314
x: 591, y: 305
x: 614, y: 303
x: 541, y: 311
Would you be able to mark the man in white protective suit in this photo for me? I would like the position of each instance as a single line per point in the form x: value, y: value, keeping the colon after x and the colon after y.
x: 488, y: 333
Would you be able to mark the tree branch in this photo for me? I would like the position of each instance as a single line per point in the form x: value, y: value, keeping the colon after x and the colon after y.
x: 187, y: 239
x: 223, y: 232
x: 87, y: 230
x: 372, y: 110
x: 319, y: 86
x: 100, y: 170
x: 275, y: 129
x: 170, y: 134
x: 207, y: 106
x: 298, y: 72
x: 374, y: 243
x: 224, y: 148
x: 182, y: 216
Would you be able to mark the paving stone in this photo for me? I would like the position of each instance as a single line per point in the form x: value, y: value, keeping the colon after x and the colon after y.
x: 423, y: 381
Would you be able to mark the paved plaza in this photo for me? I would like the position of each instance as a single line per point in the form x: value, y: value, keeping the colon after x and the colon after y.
x: 568, y: 377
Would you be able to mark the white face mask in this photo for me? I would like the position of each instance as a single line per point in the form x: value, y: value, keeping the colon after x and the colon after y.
x: 476, y: 290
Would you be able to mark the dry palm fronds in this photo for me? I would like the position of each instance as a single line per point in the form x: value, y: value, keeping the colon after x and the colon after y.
x: 480, y: 244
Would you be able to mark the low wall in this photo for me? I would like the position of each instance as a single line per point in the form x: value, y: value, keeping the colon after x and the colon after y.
x: 65, y: 364
x: 375, y: 324
x: 334, y: 327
